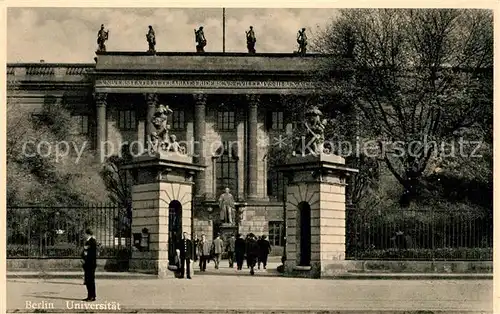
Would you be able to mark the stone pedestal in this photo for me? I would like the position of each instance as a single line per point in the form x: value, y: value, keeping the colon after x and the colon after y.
x: 226, y: 230
x: 315, y: 214
x: 161, y: 202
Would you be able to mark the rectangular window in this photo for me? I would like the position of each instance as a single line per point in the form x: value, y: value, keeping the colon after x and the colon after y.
x: 226, y: 165
x: 81, y: 124
x: 178, y: 121
x: 276, y: 185
x: 276, y: 233
x: 277, y: 121
x: 225, y: 120
x: 126, y: 120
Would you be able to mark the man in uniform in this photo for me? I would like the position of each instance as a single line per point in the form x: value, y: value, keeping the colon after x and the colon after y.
x: 185, y: 246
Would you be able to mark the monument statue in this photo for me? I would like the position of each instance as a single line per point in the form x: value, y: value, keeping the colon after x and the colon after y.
x: 174, y: 146
x: 313, y: 134
x: 102, y: 36
x: 200, y: 40
x: 251, y: 40
x: 302, y: 41
x: 159, y: 138
x: 227, y: 208
x: 150, y: 37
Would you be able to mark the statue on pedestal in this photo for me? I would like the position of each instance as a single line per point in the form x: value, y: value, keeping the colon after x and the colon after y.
x: 159, y: 138
x: 314, y: 133
x: 102, y: 36
x: 251, y: 40
x: 227, y: 208
x: 199, y: 38
x: 302, y: 41
x: 150, y: 37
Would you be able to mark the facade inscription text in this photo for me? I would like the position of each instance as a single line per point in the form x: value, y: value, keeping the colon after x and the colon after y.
x: 205, y: 84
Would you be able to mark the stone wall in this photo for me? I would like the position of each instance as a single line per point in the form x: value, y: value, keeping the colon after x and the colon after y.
x: 203, y: 227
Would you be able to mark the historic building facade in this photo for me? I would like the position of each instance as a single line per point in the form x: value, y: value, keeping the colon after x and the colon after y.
x: 226, y: 107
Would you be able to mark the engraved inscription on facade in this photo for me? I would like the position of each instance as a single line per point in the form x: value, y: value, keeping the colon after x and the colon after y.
x: 199, y: 83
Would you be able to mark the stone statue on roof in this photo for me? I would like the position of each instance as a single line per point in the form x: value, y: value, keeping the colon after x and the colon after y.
x: 102, y: 36
x: 150, y: 37
x: 200, y: 39
x: 302, y: 41
x: 251, y: 40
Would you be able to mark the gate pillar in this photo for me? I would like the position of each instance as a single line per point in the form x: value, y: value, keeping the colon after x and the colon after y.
x: 315, y: 214
x: 163, y: 186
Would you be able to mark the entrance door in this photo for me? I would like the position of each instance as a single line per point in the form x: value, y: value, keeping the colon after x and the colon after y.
x: 174, y: 228
x: 305, y: 233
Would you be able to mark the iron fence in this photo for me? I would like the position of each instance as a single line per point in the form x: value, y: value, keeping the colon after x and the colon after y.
x: 58, y: 232
x: 419, y: 235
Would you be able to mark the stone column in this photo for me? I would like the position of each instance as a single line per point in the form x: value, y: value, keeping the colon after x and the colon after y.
x: 100, y: 103
x: 151, y: 102
x: 252, y: 146
x: 199, y: 136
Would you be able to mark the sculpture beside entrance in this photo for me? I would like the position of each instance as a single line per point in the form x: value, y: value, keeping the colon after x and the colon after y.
x: 227, y: 207
x: 160, y: 139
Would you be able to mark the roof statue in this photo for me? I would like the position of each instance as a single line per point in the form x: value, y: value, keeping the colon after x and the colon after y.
x: 302, y: 41
x: 102, y: 36
x: 200, y: 39
x: 150, y: 37
x: 251, y: 40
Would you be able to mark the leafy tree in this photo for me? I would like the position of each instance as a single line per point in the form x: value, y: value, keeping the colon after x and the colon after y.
x: 415, y: 77
x: 36, y: 175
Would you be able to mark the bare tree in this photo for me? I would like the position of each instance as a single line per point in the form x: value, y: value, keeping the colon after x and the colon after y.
x: 418, y: 78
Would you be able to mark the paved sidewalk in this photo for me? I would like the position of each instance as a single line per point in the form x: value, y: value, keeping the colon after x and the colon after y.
x: 261, y: 293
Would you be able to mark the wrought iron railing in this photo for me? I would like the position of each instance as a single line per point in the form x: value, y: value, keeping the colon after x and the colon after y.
x: 419, y: 235
x: 58, y: 232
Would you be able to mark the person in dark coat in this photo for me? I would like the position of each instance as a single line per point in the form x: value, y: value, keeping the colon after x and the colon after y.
x: 239, y: 251
x: 252, y: 252
x: 264, y: 251
x: 196, y: 242
x: 89, y: 256
x: 230, y: 250
x: 185, y: 246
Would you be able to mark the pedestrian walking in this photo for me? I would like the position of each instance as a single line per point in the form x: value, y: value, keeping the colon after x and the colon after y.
x: 246, y: 244
x: 252, y: 252
x: 264, y: 251
x: 203, y: 252
x: 185, y: 246
x: 239, y: 251
x: 89, y: 257
x: 217, y: 249
x: 196, y: 242
x: 230, y: 247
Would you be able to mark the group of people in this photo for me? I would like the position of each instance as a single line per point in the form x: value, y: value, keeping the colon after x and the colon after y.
x: 254, y: 250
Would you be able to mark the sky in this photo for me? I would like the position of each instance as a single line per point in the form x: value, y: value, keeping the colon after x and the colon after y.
x: 69, y: 34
